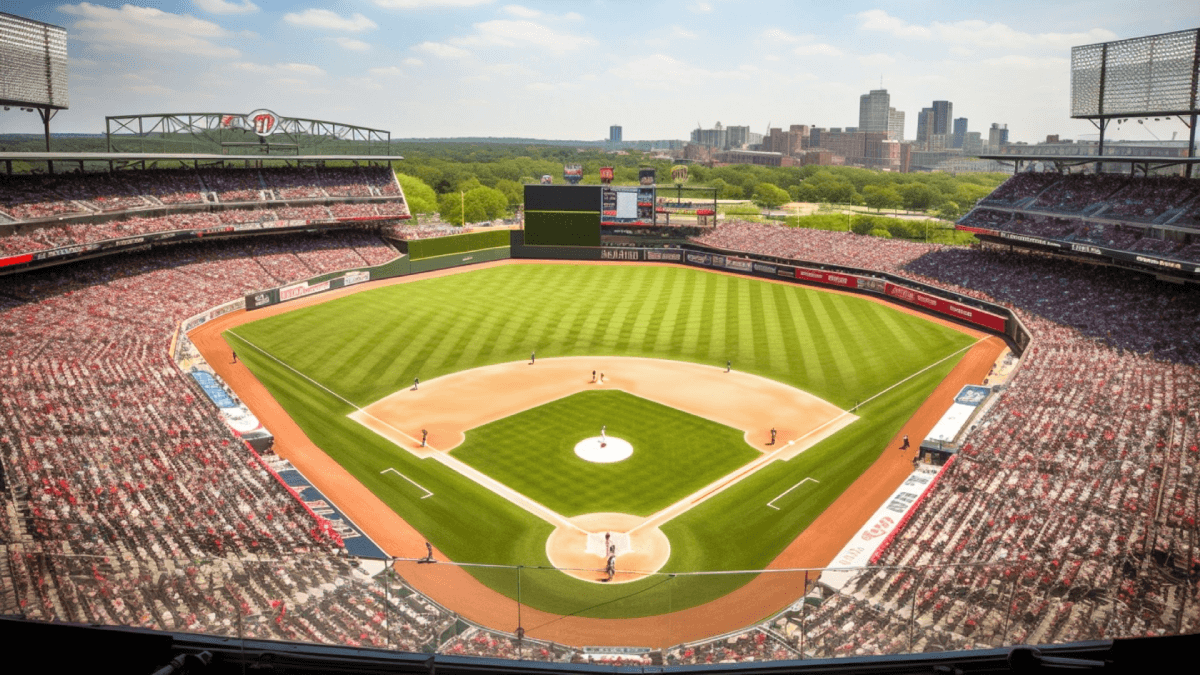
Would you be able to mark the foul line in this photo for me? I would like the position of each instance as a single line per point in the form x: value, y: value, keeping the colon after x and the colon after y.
x: 428, y: 494
x: 929, y: 367
x: 771, y: 504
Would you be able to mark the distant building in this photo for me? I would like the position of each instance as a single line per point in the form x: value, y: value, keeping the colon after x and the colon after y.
x: 614, y: 134
x: 753, y: 157
x: 924, y: 125
x: 873, y: 108
x: 972, y: 143
x: 997, y: 137
x: 791, y: 142
x: 960, y: 132
x: 943, y: 113
x: 895, y: 124
x: 737, y: 137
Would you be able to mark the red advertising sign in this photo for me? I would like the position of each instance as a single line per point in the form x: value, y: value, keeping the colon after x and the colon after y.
x: 16, y: 260
x: 606, y: 174
x: 976, y: 316
x: 823, y: 277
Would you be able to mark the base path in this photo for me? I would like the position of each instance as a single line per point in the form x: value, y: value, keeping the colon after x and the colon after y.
x: 454, y: 588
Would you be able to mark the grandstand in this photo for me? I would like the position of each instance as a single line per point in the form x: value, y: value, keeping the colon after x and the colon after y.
x: 1148, y: 223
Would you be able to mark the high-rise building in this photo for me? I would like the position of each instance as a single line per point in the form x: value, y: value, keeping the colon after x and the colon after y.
x: 997, y: 137
x: 737, y: 137
x: 960, y: 132
x: 614, y: 134
x: 873, y: 110
x: 895, y: 124
x: 925, y: 125
x: 972, y: 143
x: 943, y: 114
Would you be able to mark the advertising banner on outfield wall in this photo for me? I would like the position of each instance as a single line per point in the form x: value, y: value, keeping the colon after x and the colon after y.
x: 830, y: 278
x: 976, y: 316
x: 664, y: 256
x: 631, y: 254
x: 699, y: 259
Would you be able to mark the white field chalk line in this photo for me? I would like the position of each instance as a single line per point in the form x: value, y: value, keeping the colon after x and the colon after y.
x: 771, y: 503
x: 428, y: 494
x: 482, y: 479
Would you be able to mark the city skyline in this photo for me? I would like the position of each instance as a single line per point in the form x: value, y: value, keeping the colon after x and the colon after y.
x: 446, y: 68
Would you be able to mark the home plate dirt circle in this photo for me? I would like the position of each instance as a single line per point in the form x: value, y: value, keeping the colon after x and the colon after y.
x: 603, y: 450
x: 578, y: 548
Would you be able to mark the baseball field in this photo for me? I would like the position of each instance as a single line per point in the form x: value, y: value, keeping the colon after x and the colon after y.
x: 838, y: 376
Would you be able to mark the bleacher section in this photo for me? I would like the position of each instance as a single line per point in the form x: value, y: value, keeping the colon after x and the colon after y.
x: 1152, y: 222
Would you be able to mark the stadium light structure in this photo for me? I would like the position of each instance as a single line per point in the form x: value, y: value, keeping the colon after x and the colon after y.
x: 1142, y: 77
x: 34, y: 73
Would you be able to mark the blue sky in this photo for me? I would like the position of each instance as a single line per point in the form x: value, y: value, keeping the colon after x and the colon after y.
x: 570, y: 69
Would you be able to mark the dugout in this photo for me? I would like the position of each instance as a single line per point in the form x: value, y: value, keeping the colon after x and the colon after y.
x: 936, y: 453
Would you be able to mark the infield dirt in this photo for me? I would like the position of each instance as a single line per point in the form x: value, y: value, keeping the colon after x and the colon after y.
x: 457, y: 590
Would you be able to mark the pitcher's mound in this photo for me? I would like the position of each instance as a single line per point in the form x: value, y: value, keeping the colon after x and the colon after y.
x: 603, y: 450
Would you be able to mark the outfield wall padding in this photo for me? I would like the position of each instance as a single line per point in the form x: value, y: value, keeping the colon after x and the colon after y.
x: 419, y: 249
x: 456, y: 260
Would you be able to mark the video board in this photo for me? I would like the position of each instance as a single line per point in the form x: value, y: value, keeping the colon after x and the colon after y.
x: 1152, y: 75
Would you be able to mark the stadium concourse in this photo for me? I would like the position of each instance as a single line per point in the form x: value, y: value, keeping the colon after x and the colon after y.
x: 1070, y: 513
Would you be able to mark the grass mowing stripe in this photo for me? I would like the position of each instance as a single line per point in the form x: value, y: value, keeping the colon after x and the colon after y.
x: 738, y: 537
x: 671, y: 316
x: 745, y: 325
x: 690, y: 340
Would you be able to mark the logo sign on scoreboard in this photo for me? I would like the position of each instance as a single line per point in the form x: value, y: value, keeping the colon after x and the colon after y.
x: 606, y: 175
x: 573, y: 173
x: 263, y: 122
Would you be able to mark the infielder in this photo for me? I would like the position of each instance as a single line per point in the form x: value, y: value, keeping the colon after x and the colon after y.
x: 772, y: 435
x: 905, y: 445
x: 424, y: 437
x: 416, y: 381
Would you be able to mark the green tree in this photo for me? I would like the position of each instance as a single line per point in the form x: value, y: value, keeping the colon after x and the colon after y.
x: 421, y: 198
x: 918, y: 196
x: 512, y: 190
x: 880, y: 197
x: 881, y: 233
x: 769, y: 196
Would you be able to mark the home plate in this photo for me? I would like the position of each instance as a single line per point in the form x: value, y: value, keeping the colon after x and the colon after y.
x: 603, y: 450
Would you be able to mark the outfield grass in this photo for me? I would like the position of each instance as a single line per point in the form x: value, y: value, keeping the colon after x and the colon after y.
x: 365, y: 346
x: 675, y: 454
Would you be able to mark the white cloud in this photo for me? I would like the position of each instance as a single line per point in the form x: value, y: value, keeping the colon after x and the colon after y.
x: 870, y: 60
x: 132, y: 30
x: 701, y: 8
x: 539, y: 86
x: 820, y: 49
x: 506, y: 33
x: 1019, y: 61
x: 223, y: 7
x: 665, y: 72
x: 442, y: 50
x: 520, y: 12
x: 278, y: 68
x: 387, y: 71
x: 977, y: 33
x: 352, y: 44
x: 778, y: 35
x: 413, y: 62
x: 423, y: 4
x: 323, y: 18
x: 681, y: 32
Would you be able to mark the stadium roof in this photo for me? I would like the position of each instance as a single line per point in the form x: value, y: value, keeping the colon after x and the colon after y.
x: 180, y: 157
x: 1075, y: 160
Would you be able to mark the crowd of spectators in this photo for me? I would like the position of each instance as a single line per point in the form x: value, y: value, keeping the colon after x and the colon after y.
x: 1108, y: 210
x: 39, y: 196
x: 50, y: 236
x: 1069, y: 513
x: 823, y: 246
x: 422, y: 231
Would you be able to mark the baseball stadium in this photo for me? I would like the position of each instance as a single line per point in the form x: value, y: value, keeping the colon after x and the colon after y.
x: 248, y: 400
